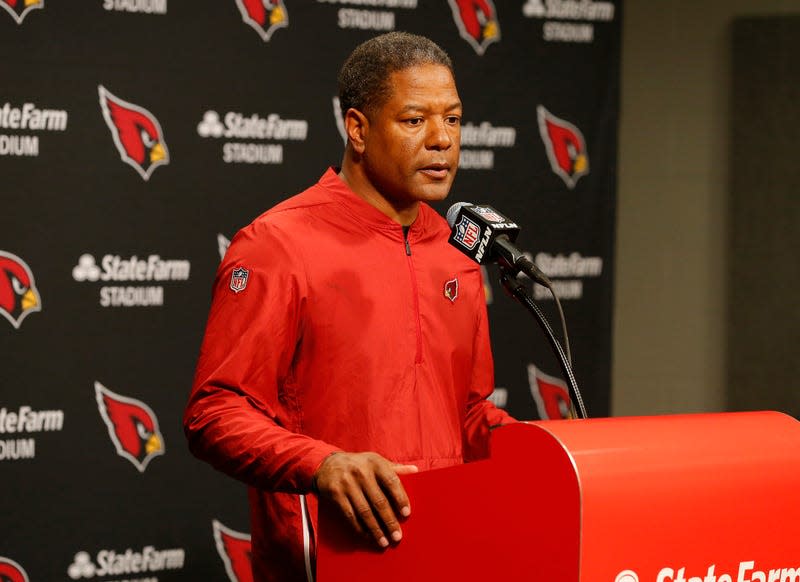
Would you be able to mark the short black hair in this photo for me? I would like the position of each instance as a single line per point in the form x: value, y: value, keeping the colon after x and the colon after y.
x: 364, y: 77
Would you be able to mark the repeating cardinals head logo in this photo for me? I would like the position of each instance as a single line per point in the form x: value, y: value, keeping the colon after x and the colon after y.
x: 265, y: 16
x: 477, y: 22
x: 337, y: 115
x: 550, y: 394
x: 10, y: 571
x: 222, y: 245
x: 132, y: 426
x: 234, y: 549
x: 137, y: 134
x: 18, y: 294
x: 565, y: 147
x: 487, y: 287
x: 19, y: 9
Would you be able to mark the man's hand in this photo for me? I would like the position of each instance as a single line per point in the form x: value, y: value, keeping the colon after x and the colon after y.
x: 367, y: 489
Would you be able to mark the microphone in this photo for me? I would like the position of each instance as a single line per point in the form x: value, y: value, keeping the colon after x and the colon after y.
x: 485, y: 235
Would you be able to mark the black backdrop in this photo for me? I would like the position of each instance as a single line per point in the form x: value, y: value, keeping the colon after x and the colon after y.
x: 106, y: 265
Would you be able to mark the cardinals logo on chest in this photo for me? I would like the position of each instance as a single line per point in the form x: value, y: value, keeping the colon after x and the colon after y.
x: 18, y: 294
x: 136, y: 132
x: 132, y: 426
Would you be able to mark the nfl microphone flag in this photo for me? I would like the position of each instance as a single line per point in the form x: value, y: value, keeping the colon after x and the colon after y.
x: 475, y: 228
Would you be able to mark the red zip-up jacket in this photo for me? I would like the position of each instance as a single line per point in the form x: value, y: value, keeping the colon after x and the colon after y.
x: 343, y: 335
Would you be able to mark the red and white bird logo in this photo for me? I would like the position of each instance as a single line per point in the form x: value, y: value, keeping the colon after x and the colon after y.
x: 565, y: 146
x: 477, y: 22
x: 550, y: 394
x: 136, y: 132
x: 18, y: 294
x: 132, y: 426
x: 235, y: 550
x: 265, y: 16
x: 10, y: 571
x: 19, y: 9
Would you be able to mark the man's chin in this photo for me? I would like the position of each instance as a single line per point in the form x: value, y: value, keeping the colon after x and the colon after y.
x: 433, y: 192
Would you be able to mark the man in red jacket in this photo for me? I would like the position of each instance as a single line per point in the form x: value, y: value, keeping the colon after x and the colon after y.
x: 347, y: 342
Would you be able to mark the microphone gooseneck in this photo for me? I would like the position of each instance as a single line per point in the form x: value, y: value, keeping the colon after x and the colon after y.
x: 485, y: 235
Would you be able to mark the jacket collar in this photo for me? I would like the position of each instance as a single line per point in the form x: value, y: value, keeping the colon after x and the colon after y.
x: 368, y: 215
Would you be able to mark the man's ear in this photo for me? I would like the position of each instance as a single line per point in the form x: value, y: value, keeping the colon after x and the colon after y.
x: 356, y: 126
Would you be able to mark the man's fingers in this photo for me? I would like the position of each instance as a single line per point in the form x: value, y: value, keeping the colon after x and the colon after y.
x: 383, y: 507
x: 368, y: 490
x: 392, y: 485
x: 349, y: 513
x: 364, y: 513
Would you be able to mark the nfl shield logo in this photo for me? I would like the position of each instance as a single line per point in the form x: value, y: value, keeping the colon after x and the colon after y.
x: 488, y: 213
x: 239, y: 279
x: 467, y: 233
x: 451, y: 289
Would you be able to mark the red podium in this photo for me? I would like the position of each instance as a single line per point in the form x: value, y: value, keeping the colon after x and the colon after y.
x: 694, y: 498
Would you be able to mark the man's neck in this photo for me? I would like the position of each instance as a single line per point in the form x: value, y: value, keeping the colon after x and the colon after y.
x: 358, y: 183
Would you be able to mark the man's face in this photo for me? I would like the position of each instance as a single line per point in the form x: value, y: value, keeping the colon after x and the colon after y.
x: 412, y: 143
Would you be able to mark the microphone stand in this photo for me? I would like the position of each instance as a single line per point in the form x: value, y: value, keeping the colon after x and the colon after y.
x: 518, y: 291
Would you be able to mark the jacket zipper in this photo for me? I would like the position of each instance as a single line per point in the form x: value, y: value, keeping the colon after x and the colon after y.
x: 415, y: 293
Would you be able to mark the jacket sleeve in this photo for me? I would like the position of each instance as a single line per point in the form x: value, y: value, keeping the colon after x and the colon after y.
x: 238, y: 417
x: 482, y: 415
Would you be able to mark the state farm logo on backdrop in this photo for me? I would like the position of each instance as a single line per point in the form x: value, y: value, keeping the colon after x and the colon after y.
x: 136, y: 132
x: 10, y: 571
x: 132, y: 426
x: 28, y: 118
x: 112, y: 563
x: 18, y: 294
x: 558, y: 14
x: 567, y: 273
x: 550, y: 395
x: 265, y: 16
x: 477, y: 22
x: 136, y: 272
x: 234, y: 549
x: 235, y: 125
x: 19, y: 9
x: 479, y: 141
x: 140, y: 6
x: 368, y: 15
x: 566, y: 148
x: 20, y: 423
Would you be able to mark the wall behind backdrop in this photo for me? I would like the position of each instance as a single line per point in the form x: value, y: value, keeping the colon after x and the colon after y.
x: 137, y: 136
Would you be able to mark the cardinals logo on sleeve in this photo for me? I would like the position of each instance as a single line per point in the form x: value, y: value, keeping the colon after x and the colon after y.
x: 132, y: 426
x: 265, y: 16
x: 477, y: 22
x: 137, y: 134
x: 550, y: 394
x: 565, y: 146
x: 10, y: 571
x: 234, y: 549
x: 18, y: 294
x: 19, y: 9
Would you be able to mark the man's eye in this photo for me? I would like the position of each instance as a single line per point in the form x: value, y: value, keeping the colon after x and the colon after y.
x: 454, y: 120
x: 414, y: 121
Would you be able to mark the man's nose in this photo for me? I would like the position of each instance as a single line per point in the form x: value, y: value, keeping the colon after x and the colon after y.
x: 441, y: 135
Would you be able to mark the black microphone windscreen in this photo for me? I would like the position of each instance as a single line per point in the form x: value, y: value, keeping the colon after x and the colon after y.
x: 452, y: 212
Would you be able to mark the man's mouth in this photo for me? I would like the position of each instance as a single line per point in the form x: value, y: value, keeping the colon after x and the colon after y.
x: 437, y: 171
